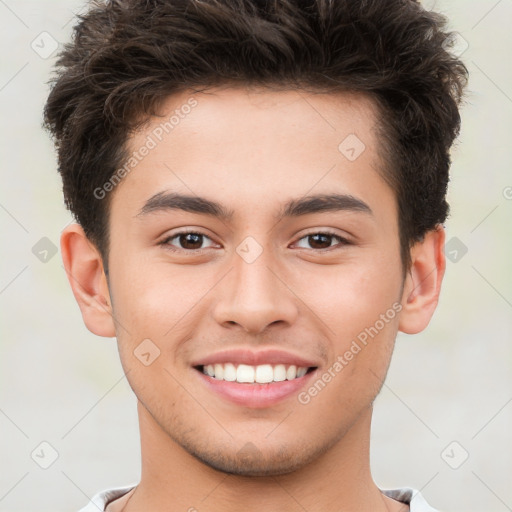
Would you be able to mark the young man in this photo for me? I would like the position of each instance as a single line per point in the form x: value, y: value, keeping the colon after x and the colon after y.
x: 260, y: 190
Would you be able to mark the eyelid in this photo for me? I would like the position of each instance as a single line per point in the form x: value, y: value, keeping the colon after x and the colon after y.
x: 185, y: 231
x: 343, y: 240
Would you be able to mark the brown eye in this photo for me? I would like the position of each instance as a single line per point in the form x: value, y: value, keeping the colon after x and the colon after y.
x: 321, y: 241
x: 189, y: 241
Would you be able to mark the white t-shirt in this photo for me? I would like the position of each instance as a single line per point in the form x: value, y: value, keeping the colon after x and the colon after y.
x: 407, y: 496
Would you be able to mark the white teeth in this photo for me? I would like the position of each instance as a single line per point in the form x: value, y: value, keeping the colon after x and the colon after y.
x: 279, y: 372
x: 244, y: 373
x: 300, y: 372
x: 264, y: 373
x: 261, y: 374
x: 291, y: 373
x: 229, y: 372
x: 219, y: 371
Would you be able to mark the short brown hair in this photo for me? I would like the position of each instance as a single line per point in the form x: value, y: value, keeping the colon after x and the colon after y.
x: 128, y: 55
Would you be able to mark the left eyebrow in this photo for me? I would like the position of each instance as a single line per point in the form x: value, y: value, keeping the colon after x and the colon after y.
x: 324, y: 203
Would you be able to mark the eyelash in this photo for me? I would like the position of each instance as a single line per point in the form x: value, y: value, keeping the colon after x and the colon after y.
x: 341, y: 241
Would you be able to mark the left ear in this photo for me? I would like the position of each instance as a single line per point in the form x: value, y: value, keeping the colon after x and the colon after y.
x: 423, y: 282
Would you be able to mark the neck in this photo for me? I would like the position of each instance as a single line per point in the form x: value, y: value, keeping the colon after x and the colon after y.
x: 174, y: 480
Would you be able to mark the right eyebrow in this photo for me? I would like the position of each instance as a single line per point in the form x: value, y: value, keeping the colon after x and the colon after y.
x: 163, y: 201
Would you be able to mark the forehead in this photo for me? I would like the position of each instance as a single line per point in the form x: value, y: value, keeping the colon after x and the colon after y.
x: 256, y: 145
x: 271, y: 115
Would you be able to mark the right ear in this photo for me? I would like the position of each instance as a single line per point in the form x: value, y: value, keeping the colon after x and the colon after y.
x: 84, y: 268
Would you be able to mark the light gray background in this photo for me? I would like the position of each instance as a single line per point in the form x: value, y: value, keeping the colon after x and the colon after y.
x: 63, y: 385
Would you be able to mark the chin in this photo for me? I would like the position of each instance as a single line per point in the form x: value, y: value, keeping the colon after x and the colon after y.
x: 250, y: 461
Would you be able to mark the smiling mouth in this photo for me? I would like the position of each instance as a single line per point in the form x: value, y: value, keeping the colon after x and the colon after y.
x: 260, y: 374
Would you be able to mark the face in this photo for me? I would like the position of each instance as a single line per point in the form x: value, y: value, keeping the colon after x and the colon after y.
x: 258, y: 241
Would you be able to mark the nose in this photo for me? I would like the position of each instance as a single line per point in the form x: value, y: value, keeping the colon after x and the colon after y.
x: 254, y: 297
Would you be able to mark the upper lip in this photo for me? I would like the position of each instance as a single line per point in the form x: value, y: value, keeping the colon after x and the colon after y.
x: 255, y: 358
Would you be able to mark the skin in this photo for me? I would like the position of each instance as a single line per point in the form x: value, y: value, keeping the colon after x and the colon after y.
x: 252, y: 151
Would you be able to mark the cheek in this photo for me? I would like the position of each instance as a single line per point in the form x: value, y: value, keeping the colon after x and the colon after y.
x: 359, y: 304
x: 151, y: 297
x: 362, y: 317
x: 349, y: 299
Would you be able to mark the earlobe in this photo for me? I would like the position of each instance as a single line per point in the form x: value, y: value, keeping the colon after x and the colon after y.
x: 423, y: 282
x: 84, y: 268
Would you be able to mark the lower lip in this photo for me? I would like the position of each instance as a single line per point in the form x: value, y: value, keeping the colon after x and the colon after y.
x: 255, y: 395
